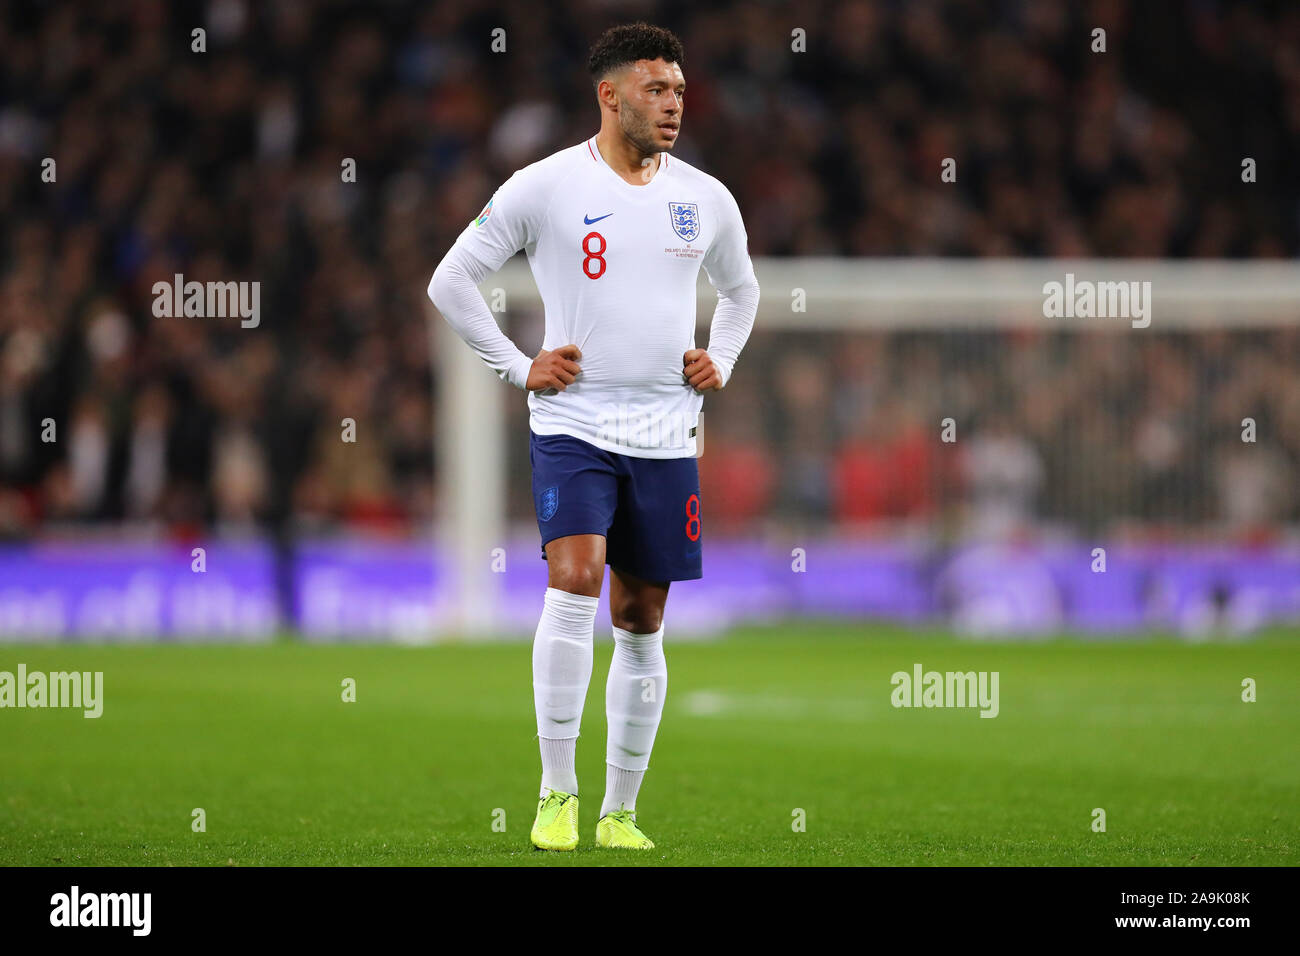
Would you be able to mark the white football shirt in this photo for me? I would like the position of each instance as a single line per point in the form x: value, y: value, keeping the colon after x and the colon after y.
x: 616, y: 265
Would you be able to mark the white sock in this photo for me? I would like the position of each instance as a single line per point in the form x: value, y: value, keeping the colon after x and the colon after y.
x: 562, y: 652
x: 558, y: 770
x: 621, y: 787
x: 634, y: 703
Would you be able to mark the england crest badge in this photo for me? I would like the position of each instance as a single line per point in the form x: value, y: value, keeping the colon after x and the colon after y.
x: 685, y: 217
x: 549, y: 503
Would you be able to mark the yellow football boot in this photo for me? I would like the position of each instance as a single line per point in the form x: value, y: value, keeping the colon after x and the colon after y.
x: 556, y: 826
x: 618, y: 830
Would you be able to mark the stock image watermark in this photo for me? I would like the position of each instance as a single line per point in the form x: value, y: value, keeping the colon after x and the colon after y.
x: 922, y: 688
x: 1086, y: 299
x: 638, y: 426
x: 83, y: 690
x: 210, y: 300
x: 75, y: 908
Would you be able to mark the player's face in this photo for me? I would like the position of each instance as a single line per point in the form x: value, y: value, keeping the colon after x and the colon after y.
x: 653, y: 97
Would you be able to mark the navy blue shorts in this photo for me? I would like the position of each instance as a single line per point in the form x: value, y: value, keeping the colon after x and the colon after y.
x: 648, y: 509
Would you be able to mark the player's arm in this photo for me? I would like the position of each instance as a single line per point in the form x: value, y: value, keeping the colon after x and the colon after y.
x: 729, y: 268
x: 507, y: 224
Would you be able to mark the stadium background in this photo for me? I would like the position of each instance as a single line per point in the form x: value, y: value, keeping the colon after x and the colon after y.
x: 178, y: 433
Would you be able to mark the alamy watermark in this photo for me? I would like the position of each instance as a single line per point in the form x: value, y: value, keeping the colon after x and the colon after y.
x: 211, y: 300
x: 1086, y: 299
x: 75, y: 689
x: 76, y: 908
x: 636, y: 426
x: 923, y: 688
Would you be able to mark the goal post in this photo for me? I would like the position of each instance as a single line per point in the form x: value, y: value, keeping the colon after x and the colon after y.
x: 470, y: 463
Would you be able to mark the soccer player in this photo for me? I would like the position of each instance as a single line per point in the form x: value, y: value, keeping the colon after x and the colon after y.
x: 616, y: 232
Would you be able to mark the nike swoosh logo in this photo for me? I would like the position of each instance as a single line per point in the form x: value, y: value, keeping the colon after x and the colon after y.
x: 597, y: 219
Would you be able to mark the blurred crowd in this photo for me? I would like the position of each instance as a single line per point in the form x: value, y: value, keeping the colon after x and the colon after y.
x: 990, y: 433
x: 225, y: 165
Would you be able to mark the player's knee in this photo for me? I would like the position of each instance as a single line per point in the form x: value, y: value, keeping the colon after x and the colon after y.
x: 639, y: 617
x: 577, y: 577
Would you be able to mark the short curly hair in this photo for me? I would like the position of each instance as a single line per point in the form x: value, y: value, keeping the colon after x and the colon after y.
x: 621, y: 45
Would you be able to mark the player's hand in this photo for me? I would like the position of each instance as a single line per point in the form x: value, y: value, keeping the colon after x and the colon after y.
x: 556, y: 369
x: 700, y: 372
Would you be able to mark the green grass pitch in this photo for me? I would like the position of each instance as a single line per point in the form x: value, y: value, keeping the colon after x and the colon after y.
x: 440, y: 743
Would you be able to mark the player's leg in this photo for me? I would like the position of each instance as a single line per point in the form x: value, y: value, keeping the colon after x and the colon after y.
x: 655, y: 539
x: 575, y: 490
x: 562, y: 658
x: 562, y: 652
x: 575, y: 563
x: 638, y: 682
